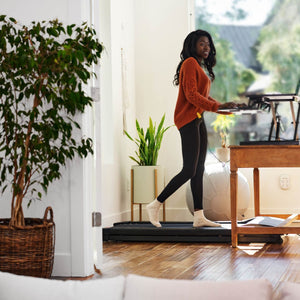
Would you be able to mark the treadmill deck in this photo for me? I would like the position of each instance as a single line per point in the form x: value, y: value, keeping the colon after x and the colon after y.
x: 180, y: 232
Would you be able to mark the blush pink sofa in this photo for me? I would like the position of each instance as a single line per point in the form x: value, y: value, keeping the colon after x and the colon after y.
x: 134, y: 287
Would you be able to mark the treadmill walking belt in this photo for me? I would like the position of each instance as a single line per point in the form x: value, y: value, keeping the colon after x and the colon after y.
x: 181, y: 232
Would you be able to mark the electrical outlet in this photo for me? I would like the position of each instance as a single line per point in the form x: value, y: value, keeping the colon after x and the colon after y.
x: 284, y: 181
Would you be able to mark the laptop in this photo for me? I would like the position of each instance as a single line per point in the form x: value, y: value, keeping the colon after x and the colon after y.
x: 257, y: 101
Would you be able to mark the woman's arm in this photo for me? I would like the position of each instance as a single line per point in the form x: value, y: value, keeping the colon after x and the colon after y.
x: 213, y: 100
x: 224, y: 105
x: 221, y: 113
x: 189, y: 83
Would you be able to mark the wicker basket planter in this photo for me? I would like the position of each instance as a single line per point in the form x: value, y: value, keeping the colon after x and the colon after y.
x: 28, y: 250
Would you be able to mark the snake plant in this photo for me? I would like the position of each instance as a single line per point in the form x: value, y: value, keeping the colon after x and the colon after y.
x: 148, y: 142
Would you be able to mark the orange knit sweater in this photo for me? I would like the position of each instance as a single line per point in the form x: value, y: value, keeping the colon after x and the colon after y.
x: 193, y: 95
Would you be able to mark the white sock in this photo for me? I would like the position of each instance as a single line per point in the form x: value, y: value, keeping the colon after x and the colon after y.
x: 201, y: 221
x: 153, y: 212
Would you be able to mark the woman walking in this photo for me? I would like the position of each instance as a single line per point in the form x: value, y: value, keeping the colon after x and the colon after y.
x: 193, y: 99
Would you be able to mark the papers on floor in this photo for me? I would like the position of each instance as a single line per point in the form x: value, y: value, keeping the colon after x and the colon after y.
x: 265, y: 221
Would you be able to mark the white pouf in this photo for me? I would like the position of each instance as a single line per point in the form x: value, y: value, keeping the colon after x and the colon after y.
x: 216, y: 193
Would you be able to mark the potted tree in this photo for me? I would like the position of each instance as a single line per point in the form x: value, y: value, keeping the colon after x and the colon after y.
x: 143, y: 174
x: 42, y: 71
x: 221, y: 125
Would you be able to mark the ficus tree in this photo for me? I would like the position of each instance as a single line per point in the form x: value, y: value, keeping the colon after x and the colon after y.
x: 43, y: 69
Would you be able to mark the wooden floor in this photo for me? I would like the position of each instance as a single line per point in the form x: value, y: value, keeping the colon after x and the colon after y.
x: 275, y: 262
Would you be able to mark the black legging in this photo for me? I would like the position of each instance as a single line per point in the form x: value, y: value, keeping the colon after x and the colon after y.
x: 194, y: 146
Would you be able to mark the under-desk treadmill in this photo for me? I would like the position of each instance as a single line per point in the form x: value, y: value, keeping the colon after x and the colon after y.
x: 180, y: 232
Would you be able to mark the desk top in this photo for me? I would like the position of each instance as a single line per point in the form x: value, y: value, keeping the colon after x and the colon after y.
x: 267, y: 156
x: 265, y: 146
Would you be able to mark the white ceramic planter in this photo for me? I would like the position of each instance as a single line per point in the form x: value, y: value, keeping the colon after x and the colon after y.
x: 223, y: 154
x: 144, y: 184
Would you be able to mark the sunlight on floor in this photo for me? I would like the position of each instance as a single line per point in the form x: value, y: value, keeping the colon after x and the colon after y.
x: 252, y: 248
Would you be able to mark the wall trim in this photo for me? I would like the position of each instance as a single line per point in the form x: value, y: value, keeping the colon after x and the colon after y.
x: 172, y: 214
x: 62, y: 264
x: 182, y: 214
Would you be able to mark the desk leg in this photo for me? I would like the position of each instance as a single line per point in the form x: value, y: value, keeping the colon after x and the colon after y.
x: 233, y: 198
x: 256, y: 191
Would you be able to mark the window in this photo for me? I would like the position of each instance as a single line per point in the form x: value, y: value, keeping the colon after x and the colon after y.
x: 254, y: 55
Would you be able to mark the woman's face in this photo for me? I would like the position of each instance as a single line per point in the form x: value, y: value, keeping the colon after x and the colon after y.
x: 203, y: 47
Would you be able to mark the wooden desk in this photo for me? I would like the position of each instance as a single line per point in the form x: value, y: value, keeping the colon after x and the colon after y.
x: 258, y: 157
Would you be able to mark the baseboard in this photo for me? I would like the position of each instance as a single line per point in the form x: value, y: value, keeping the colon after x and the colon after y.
x: 172, y: 214
x: 274, y: 211
x: 178, y: 214
x: 62, y: 265
x: 181, y: 214
x: 109, y: 220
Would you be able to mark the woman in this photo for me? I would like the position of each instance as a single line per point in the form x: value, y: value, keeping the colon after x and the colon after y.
x: 193, y: 99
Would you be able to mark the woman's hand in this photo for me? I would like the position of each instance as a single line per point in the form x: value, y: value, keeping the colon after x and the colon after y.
x: 228, y: 105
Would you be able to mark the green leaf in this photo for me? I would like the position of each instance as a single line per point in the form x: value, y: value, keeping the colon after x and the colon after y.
x: 160, y: 126
x: 69, y: 30
x: 127, y: 134
x: 135, y: 160
x: 148, y: 144
x: 80, y: 56
x: 4, y: 188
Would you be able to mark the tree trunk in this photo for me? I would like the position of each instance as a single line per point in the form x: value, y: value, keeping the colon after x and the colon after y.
x: 17, y: 218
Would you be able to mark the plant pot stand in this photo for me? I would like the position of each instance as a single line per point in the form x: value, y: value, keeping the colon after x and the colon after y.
x: 141, y: 204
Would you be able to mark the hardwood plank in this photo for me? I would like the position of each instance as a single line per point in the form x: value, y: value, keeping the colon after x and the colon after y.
x: 218, y: 262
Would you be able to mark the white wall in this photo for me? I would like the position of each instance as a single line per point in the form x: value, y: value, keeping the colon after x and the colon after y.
x: 151, y: 34
x: 117, y: 104
x: 275, y: 200
x: 70, y: 197
x: 161, y: 27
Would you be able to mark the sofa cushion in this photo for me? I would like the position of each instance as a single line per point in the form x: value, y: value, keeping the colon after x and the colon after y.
x: 289, y: 291
x: 147, y: 288
x: 15, y: 287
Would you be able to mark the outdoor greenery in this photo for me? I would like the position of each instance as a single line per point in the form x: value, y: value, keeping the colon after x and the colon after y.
x: 148, y: 142
x: 232, y: 78
x: 277, y: 50
x: 279, y: 47
x: 42, y: 71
